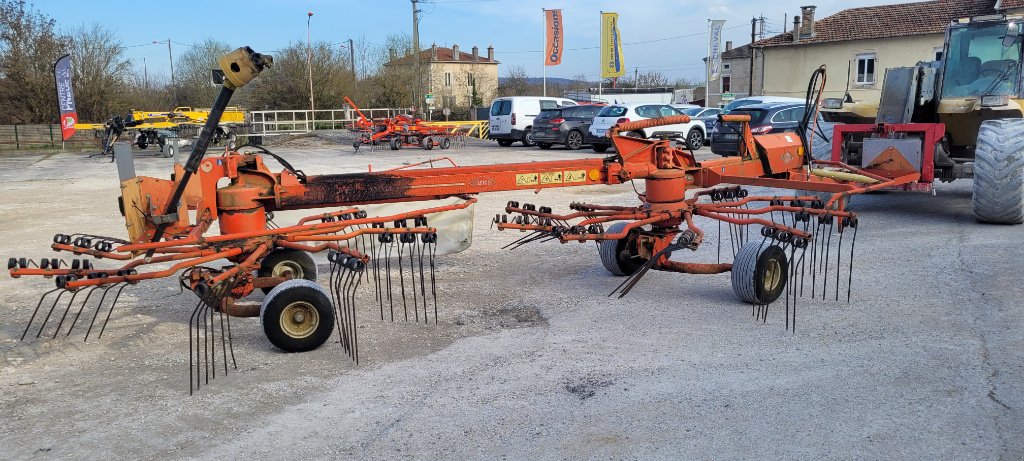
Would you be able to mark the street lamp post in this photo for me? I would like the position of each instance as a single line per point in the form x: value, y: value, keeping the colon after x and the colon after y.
x: 309, y: 63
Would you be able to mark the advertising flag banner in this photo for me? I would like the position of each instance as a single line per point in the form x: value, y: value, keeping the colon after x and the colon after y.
x: 555, y: 42
x: 65, y: 97
x: 715, y: 49
x: 611, y: 46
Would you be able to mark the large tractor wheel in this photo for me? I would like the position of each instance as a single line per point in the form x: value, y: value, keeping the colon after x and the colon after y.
x: 999, y: 172
x: 759, y: 272
x: 620, y: 257
x: 289, y: 264
x: 297, y: 316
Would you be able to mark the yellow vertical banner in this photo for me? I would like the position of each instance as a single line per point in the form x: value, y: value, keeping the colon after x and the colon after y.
x: 555, y: 40
x: 611, y: 46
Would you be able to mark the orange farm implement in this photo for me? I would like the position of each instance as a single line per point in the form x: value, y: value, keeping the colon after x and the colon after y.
x: 168, y: 223
x: 403, y: 131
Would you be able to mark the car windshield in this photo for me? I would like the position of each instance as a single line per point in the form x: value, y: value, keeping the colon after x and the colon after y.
x: 977, y: 62
x: 692, y: 111
x: 756, y: 115
x: 612, y: 111
x: 548, y: 114
x: 739, y: 103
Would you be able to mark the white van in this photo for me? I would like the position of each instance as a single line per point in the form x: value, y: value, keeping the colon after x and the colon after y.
x: 512, y: 117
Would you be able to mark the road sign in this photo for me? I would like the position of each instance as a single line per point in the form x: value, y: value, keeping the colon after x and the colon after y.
x: 446, y: 111
x: 728, y: 96
x: 429, y: 98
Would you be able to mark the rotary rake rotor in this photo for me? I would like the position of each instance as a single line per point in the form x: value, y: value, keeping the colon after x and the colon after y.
x: 774, y: 241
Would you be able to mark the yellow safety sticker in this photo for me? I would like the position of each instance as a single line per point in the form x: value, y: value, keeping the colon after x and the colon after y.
x: 576, y: 176
x: 551, y: 177
x: 526, y: 179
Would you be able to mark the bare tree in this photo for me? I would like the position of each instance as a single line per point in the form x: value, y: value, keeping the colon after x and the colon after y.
x: 516, y: 82
x: 651, y: 80
x: 192, y: 73
x: 99, y: 66
x: 286, y: 84
x: 29, y: 45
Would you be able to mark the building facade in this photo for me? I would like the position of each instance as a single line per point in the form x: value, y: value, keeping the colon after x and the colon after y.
x: 734, y: 81
x: 858, y: 44
x: 457, y: 80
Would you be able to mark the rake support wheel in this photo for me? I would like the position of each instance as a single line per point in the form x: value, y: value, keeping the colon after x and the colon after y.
x: 759, y: 272
x: 297, y: 316
x: 290, y: 264
x: 620, y: 257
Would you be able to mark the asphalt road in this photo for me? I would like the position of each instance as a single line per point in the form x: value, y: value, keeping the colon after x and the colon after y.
x: 531, y: 359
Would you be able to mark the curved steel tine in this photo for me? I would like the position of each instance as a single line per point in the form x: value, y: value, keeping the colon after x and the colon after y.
x: 48, y: 314
x: 78, y: 314
x: 98, y: 308
x: 36, y: 311
x: 111, y: 311
x: 191, y: 367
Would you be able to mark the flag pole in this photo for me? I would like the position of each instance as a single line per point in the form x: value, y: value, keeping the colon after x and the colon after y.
x: 707, y: 72
x: 545, y: 51
x: 600, y: 71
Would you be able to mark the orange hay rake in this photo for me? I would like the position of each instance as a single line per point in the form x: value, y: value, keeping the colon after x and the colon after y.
x: 402, y: 131
x: 395, y: 254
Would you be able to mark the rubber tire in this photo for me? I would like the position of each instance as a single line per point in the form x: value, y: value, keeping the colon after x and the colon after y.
x: 599, y: 148
x: 505, y: 142
x: 611, y: 250
x: 544, y: 145
x: 527, y: 138
x: 748, y: 270
x: 427, y: 143
x: 169, y: 150
x: 285, y: 294
x: 695, y: 139
x: 394, y: 144
x: 998, y: 196
x: 574, y: 140
x: 300, y: 258
x: 636, y: 134
x: 446, y: 143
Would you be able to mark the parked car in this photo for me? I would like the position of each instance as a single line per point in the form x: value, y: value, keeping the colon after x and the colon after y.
x: 693, y: 132
x: 764, y: 118
x: 759, y: 100
x: 512, y: 117
x: 566, y: 126
x: 708, y: 115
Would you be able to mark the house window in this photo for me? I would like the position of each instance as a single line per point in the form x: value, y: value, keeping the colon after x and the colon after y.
x: 726, y: 66
x: 865, y: 69
x: 469, y: 79
x: 726, y: 84
x: 447, y: 79
x: 450, y: 101
x: 938, y: 53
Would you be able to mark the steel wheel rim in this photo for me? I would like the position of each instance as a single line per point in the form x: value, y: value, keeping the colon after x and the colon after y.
x: 299, y: 319
x: 772, y: 275
x: 287, y: 269
x: 574, y: 140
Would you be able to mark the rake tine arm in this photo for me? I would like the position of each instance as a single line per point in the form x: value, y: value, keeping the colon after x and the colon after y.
x: 131, y: 278
x: 333, y: 214
x: 763, y: 222
x: 351, y: 235
x: 323, y: 246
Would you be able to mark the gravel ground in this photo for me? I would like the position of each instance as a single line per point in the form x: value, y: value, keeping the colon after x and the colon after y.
x: 531, y: 359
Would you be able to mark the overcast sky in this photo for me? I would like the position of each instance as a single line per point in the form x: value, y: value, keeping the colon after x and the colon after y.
x: 658, y: 35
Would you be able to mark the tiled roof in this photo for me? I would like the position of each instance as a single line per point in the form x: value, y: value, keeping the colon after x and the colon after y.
x: 445, y: 55
x: 1009, y: 4
x: 897, y: 20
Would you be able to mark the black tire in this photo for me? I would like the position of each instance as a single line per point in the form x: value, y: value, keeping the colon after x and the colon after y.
x: 427, y: 143
x: 142, y: 142
x: 599, y: 148
x: 695, y: 139
x: 297, y: 316
x: 759, y: 272
x: 544, y: 145
x: 446, y: 143
x: 505, y: 142
x: 394, y: 144
x: 999, y: 172
x: 168, y: 150
x: 527, y: 138
x: 573, y: 140
x: 293, y: 264
x: 620, y: 257
x: 636, y: 134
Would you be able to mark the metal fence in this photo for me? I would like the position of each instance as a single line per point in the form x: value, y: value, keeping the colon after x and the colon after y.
x: 278, y: 122
x: 16, y: 137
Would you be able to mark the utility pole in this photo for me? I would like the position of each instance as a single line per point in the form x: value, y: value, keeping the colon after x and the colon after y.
x: 309, y: 63
x: 636, y: 77
x: 416, y: 53
x: 170, y: 57
x: 352, y: 57
x: 145, y: 72
x: 753, y: 35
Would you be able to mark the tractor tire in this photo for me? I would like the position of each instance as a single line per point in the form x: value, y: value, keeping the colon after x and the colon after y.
x: 759, y: 272
x: 620, y: 257
x: 294, y: 264
x: 297, y: 316
x: 999, y: 172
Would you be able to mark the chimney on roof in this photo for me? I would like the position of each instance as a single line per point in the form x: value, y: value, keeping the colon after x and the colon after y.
x: 728, y: 45
x: 433, y: 52
x: 490, y: 52
x: 796, y: 29
x: 807, y: 15
x: 476, y: 53
x: 455, y: 52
